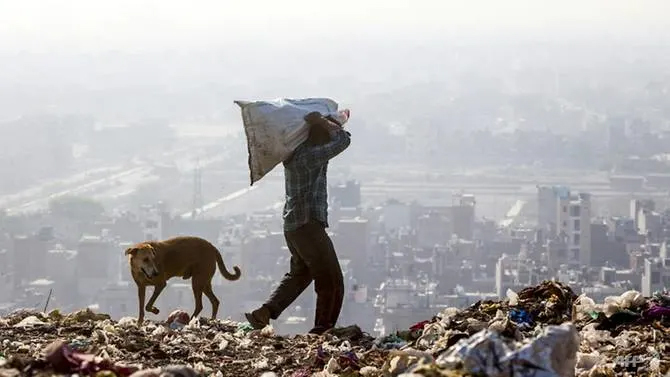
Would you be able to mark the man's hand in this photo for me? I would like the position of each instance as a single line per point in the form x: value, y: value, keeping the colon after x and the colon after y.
x: 314, y: 118
x: 332, y: 126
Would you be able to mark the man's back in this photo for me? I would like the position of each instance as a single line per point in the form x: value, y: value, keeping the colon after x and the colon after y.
x: 306, y: 183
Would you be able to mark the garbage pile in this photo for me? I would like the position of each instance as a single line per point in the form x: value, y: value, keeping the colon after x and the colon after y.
x: 86, y: 343
x: 542, y: 331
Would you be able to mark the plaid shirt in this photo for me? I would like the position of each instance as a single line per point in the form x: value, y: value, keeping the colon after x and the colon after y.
x: 305, y: 180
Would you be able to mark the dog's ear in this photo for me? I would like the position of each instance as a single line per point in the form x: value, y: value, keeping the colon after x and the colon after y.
x: 131, y: 251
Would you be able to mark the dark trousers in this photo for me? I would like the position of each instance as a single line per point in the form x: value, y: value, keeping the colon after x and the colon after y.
x: 312, y: 258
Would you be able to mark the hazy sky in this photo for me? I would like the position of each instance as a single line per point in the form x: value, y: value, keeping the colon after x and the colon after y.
x: 37, y: 25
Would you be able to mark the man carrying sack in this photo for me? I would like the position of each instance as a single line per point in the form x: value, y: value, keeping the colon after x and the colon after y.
x: 305, y: 216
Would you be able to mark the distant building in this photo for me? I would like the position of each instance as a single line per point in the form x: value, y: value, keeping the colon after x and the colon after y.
x: 649, y: 224
x: 351, y: 242
x: 514, y: 273
x: 624, y: 229
x: 96, y: 264
x: 463, y: 216
x: 557, y: 252
x: 346, y: 195
x: 656, y: 276
x: 396, y: 215
x: 606, y: 249
x: 432, y: 230
x: 547, y: 206
x: 29, y: 255
x: 567, y: 217
x: 151, y: 219
x: 260, y: 253
x: 636, y: 205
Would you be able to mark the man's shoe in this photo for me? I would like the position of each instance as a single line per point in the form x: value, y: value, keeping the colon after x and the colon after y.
x: 319, y: 330
x: 259, y: 318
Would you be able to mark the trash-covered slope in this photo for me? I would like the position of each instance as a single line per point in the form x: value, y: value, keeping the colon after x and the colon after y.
x: 544, y: 330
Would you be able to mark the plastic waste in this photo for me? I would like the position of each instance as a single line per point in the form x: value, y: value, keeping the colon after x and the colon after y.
x: 178, y: 319
x: 512, y: 297
x: 223, y: 348
x: 657, y: 311
x: 618, y: 318
x: 302, y: 372
x: 627, y: 300
x: 588, y: 361
x: 244, y: 328
x: 127, y: 322
x: 63, y: 359
x: 169, y: 371
x: 552, y: 354
x: 390, y: 342
x: 661, y: 298
x: 368, y: 371
x: 83, y: 316
x: 419, y: 326
x: 399, y: 362
x: 268, y: 331
x: 30, y: 322
x: 521, y: 317
x: 585, y: 308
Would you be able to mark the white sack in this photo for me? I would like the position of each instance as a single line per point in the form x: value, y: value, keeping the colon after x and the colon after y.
x: 275, y: 128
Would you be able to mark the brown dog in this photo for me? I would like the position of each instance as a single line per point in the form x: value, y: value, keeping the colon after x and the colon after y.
x: 153, y: 263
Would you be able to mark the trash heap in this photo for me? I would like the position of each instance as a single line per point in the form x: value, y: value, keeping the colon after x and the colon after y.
x: 541, y: 331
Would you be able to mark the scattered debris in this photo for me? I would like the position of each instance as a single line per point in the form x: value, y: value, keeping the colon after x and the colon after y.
x: 545, y: 329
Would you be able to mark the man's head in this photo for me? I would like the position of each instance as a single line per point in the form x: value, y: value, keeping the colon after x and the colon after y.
x: 142, y: 258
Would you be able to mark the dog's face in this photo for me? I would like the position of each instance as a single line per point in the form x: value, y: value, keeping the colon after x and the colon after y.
x: 142, y: 260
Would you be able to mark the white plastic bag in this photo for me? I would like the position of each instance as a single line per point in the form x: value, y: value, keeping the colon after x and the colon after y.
x: 275, y: 128
x: 512, y: 297
x: 552, y: 354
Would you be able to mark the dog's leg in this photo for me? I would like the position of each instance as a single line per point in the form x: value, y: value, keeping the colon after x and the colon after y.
x: 207, y: 290
x: 141, y: 295
x: 197, y: 296
x: 187, y: 275
x: 158, y: 288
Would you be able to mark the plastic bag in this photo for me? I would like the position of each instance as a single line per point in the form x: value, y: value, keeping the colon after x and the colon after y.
x: 585, y: 308
x: 552, y: 354
x: 274, y: 129
x: 627, y: 300
x: 512, y: 297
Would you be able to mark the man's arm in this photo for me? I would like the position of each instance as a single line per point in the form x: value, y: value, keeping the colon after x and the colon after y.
x: 320, y: 154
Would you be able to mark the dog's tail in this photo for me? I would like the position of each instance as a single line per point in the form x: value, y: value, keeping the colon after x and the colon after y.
x: 224, y: 272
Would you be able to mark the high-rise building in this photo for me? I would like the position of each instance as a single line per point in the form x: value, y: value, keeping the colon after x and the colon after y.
x: 637, y: 205
x: 547, y: 206
x: 433, y: 229
x: 347, y: 195
x: 351, y: 243
x: 656, y: 276
x: 96, y: 265
x: 463, y: 216
x: 567, y: 217
x: 574, y: 219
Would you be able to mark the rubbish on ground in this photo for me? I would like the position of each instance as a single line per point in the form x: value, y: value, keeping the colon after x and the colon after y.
x: 178, y: 319
x: 657, y: 311
x: 537, y: 332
